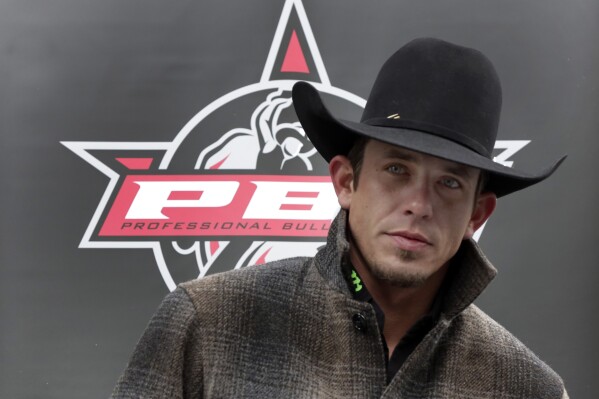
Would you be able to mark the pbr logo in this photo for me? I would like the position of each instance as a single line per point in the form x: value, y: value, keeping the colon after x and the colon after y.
x: 240, y: 184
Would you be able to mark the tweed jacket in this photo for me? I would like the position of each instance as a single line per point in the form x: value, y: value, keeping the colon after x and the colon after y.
x: 287, y: 330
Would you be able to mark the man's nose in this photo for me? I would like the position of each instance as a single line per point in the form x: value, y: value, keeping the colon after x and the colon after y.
x: 416, y: 200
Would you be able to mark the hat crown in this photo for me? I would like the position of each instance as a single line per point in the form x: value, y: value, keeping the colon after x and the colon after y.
x: 439, y: 88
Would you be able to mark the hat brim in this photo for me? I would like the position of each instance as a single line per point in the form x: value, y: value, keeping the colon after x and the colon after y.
x: 332, y: 136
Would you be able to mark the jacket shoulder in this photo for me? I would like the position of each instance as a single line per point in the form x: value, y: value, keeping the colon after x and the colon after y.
x: 497, y: 359
x: 280, y: 271
x: 267, y: 284
x: 159, y: 359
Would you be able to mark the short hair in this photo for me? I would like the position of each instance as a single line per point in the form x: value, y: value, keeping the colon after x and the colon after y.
x: 356, y: 156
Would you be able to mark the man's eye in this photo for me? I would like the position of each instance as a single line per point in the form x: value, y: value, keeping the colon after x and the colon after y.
x: 450, y: 182
x: 397, y: 169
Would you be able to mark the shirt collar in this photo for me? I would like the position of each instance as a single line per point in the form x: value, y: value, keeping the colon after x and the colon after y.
x: 360, y: 293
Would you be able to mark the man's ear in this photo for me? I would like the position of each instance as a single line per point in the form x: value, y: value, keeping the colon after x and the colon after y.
x: 483, y: 208
x: 342, y: 176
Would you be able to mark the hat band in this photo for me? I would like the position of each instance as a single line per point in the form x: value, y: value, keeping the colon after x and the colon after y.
x: 433, y: 129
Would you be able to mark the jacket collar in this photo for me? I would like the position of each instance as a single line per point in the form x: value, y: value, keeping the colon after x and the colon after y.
x: 471, y: 275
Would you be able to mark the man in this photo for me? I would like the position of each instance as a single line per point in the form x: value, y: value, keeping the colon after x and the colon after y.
x: 385, y: 309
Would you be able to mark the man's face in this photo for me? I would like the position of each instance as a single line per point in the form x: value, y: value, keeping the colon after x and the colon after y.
x: 410, y: 211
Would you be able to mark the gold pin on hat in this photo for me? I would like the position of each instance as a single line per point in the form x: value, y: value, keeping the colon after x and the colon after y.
x: 393, y: 116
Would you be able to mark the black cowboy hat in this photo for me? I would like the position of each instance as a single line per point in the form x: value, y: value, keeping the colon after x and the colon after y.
x: 431, y: 96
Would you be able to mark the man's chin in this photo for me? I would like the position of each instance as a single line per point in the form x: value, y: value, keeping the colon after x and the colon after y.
x: 407, y: 256
x: 399, y: 278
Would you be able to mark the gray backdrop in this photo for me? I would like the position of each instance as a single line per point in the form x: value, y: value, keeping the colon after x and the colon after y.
x: 74, y: 70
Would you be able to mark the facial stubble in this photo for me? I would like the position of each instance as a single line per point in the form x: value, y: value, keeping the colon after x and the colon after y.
x: 396, y: 276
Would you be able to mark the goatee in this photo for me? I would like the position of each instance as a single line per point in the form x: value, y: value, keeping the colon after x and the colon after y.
x: 396, y: 278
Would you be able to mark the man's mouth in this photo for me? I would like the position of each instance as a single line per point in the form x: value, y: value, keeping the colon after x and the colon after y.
x: 410, y: 241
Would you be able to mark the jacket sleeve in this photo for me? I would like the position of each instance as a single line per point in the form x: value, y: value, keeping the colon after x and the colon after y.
x: 165, y: 363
